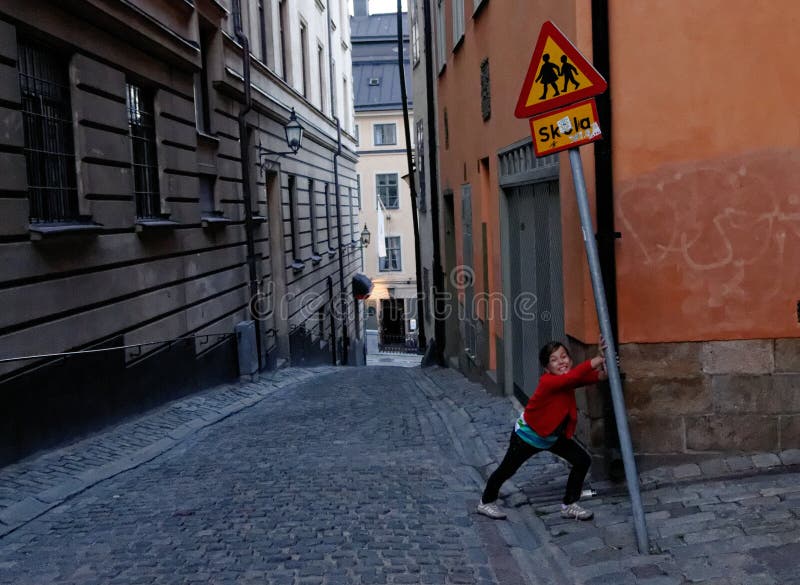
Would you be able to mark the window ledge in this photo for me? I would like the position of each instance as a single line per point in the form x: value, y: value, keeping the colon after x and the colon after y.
x: 206, y: 137
x: 316, y: 259
x: 258, y: 219
x: 298, y: 266
x: 212, y: 221
x: 41, y: 231
x: 331, y: 252
x: 149, y: 225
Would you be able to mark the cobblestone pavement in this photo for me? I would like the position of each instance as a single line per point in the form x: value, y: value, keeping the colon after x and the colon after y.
x: 371, y: 475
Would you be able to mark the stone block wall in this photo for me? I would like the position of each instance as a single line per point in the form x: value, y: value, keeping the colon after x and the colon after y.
x: 706, y: 398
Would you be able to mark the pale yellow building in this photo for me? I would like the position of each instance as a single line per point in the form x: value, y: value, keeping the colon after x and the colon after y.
x: 382, y: 178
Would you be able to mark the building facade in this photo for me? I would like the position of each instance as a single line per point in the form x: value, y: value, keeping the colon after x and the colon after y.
x: 383, y: 177
x: 695, y: 211
x: 145, y: 210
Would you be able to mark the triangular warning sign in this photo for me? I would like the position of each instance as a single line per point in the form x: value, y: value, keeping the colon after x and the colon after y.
x: 558, y: 75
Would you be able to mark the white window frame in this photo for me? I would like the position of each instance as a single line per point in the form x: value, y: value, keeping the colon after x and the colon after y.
x: 378, y: 200
x: 386, y: 258
x: 458, y: 22
x: 375, y: 128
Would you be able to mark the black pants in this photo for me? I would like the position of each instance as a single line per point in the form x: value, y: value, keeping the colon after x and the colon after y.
x: 519, y: 452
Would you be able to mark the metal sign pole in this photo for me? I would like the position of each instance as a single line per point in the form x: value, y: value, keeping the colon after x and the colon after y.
x: 631, y: 475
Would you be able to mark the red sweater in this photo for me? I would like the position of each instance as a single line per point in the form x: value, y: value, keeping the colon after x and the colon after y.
x: 554, y: 400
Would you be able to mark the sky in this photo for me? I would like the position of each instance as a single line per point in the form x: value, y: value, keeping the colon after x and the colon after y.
x: 379, y: 6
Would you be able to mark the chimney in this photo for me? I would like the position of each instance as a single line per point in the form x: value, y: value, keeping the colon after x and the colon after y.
x: 360, y: 8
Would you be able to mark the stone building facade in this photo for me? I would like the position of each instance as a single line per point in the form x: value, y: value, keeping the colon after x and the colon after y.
x: 144, y: 205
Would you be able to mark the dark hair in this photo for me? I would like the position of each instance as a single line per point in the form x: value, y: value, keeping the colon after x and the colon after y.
x: 548, y: 349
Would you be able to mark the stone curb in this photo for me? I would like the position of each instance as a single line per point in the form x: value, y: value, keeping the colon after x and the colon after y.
x: 17, y: 515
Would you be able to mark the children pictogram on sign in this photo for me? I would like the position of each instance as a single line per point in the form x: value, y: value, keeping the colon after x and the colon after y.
x: 568, y: 70
x: 556, y: 62
x: 548, y: 75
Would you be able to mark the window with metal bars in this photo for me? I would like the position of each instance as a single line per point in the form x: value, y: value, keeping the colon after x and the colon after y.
x: 49, y: 146
x: 141, y: 121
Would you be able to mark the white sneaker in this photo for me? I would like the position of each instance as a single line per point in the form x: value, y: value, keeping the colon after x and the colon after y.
x: 491, y: 510
x: 577, y: 512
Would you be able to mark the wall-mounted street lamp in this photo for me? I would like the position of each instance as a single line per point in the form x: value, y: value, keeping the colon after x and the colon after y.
x: 365, y: 235
x: 294, y: 137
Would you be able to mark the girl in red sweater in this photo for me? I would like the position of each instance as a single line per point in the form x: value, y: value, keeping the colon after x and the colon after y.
x: 548, y: 424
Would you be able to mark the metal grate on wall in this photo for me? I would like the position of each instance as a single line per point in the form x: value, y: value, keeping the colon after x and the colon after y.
x: 49, y: 148
x: 519, y: 165
x: 141, y: 119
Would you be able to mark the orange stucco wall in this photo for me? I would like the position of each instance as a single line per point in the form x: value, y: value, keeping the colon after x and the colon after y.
x: 706, y: 168
x: 471, y: 139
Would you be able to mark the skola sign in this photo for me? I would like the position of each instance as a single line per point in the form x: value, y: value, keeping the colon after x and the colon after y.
x: 565, y: 128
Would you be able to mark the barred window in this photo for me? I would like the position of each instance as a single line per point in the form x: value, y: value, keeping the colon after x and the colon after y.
x: 387, y: 190
x: 49, y: 147
x: 393, y: 261
x: 141, y: 120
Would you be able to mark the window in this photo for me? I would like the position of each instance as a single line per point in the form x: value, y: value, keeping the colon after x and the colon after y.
x: 328, y: 221
x: 353, y: 235
x: 420, y: 166
x: 392, y: 262
x: 262, y: 30
x: 312, y: 210
x: 346, y: 113
x: 387, y: 190
x: 293, y: 217
x: 414, y: 34
x: 304, y: 52
x: 441, y: 49
x: 357, y: 133
x: 207, y: 206
x: 321, y: 67
x: 141, y: 122
x: 202, y: 105
x: 458, y: 22
x: 385, y: 134
x: 49, y: 147
x: 334, y: 102
x: 284, y: 32
x: 486, y: 95
x: 358, y: 189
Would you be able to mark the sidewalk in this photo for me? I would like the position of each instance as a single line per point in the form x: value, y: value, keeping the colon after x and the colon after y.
x: 42, y: 481
x: 730, y: 521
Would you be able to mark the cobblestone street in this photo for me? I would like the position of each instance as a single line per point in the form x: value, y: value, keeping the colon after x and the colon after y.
x: 369, y: 475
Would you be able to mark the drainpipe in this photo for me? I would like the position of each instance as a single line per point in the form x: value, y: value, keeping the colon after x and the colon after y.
x: 436, y: 347
x: 422, y: 343
x: 244, y: 141
x: 606, y: 232
x: 336, y: 155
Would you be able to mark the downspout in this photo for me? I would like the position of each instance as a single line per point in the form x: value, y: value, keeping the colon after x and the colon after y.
x: 606, y: 232
x: 422, y: 343
x: 336, y: 155
x: 333, y: 320
x: 436, y: 348
x: 244, y: 141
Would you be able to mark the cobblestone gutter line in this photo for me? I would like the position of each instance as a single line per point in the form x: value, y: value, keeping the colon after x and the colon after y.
x: 39, y: 483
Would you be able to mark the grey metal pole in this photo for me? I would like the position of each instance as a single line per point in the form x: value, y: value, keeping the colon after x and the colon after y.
x: 631, y: 475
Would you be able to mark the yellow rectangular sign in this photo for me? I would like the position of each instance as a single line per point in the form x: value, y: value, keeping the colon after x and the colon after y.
x: 568, y: 127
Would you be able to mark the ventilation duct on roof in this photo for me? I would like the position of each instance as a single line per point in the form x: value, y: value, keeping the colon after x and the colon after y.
x: 374, y: 80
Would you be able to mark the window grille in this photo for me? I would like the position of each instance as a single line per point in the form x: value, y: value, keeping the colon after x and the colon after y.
x: 486, y: 95
x: 49, y: 147
x: 141, y: 120
x: 387, y: 190
x: 385, y: 134
x: 392, y: 262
